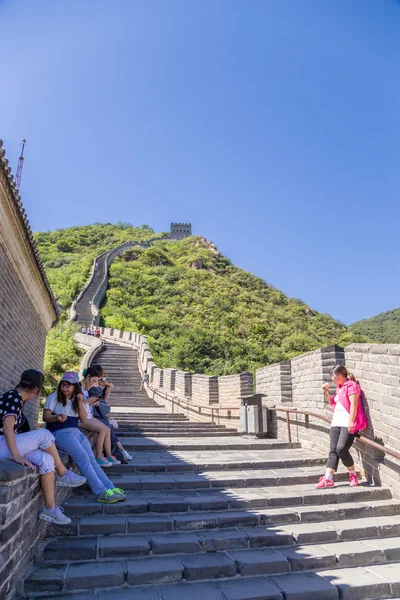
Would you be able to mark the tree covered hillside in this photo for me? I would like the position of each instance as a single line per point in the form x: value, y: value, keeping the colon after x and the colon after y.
x: 201, y: 313
x: 384, y: 328
x: 67, y: 255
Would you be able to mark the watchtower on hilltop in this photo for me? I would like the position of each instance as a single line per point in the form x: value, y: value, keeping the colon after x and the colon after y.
x: 179, y: 231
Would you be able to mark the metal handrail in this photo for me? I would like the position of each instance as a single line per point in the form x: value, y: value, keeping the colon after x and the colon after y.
x: 362, y: 438
x: 191, y: 406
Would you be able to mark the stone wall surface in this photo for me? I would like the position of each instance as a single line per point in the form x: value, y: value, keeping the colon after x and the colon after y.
x: 377, y: 368
x: 204, y: 389
x: 231, y: 387
x: 22, y: 334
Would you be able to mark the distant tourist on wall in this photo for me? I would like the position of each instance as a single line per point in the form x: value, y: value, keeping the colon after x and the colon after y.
x: 62, y: 411
x: 84, y: 330
x: 98, y: 332
x: 35, y: 448
x: 145, y: 380
x: 348, y: 419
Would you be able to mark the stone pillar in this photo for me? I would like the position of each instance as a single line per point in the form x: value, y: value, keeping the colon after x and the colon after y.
x: 204, y: 389
x: 183, y: 384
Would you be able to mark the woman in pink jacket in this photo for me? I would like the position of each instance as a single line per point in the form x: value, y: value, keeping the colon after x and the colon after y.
x: 348, y: 419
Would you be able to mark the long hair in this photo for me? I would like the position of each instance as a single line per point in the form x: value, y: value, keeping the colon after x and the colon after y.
x: 93, y: 371
x: 341, y: 370
x: 63, y: 400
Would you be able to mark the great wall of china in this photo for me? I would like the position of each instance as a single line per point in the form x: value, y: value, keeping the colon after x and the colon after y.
x: 210, y: 512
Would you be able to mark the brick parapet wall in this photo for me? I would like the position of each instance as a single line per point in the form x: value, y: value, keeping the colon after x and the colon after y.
x: 204, y: 389
x: 158, y: 379
x: 183, y: 384
x: 231, y: 387
x: 22, y: 334
x: 169, y: 380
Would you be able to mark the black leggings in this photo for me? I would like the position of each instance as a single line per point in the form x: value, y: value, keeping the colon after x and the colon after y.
x: 341, y: 442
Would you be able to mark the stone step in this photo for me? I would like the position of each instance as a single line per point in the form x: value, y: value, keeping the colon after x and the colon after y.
x: 220, y: 479
x: 198, y: 443
x: 300, y: 505
x: 182, y: 432
x: 173, y: 426
x: 281, y: 565
x: 169, y: 463
x: 337, y: 554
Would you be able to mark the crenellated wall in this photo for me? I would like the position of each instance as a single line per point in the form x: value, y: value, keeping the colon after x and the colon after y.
x: 298, y: 384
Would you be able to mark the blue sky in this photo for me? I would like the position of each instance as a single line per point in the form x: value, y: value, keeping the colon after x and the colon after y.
x: 272, y: 125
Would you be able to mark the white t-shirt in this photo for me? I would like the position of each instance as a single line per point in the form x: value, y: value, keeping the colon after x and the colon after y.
x: 88, y: 406
x: 57, y: 408
x: 341, y: 417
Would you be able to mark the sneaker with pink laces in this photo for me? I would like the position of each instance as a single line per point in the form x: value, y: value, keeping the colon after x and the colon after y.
x: 353, y: 479
x: 325, y: 483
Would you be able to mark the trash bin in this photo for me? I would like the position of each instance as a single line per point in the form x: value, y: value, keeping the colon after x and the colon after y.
x: 252, y: 419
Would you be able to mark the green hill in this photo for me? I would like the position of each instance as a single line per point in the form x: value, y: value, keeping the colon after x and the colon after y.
x: 199, y: 311
x: 383, y: 328
x: 67, y: 255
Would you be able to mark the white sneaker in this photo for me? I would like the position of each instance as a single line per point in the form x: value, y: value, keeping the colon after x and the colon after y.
x: 54, y: 515
x: 126, y: 455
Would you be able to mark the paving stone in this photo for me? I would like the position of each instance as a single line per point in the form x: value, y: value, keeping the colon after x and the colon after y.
x: 309, y: 533
x: 303, y: 558
x: 79, y: 596
x: 190, y: 591
x: 355, y: 529
x: 71, y: 549
x: 131, y: 506
x: 208, y: 566
x: 357, y: 583
x: 105, y: 525
x: 149, y: 524
x: 389, y: 572
x: 174, y: 543
x: 48, y: 579
x: 266, y: 536
x: 153, y: 570
x: 95, y: 575
x: 207, y: 502
x: 123, y: 545
x: 137, y: 593
x: 352, y: 554
x: 169, y: 505
x: 226, y: 539
x: 260, y: 562
x: 194, y: 521
x: 237, y: 518
x: 390, y: 547
x: 305, y: 586
x: 253, y: 588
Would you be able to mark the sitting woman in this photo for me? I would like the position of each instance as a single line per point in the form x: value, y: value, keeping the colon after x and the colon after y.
x: 61, y: 413
x: 101, y: 412
x: 35, y: 447
x: 91, y: 379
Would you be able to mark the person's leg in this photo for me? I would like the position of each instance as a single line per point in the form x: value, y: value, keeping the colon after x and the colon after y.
x: 332, y: 462
x: 71, y: 441
x: 97, y: 427
x: 45, y: 464
x: 98, y: 470
x: 344, y: 444
x: 333, y: 458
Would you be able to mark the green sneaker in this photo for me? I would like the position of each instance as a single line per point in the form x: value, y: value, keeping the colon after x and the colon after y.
x: 108, y: 497
x: 120, y: 493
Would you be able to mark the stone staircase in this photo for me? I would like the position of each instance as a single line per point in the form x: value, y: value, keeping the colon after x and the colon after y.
x: 121, y: 368
x: 221, y: 517
x: 83, y: 310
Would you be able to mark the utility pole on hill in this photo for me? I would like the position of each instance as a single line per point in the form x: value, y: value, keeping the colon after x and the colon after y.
x: 20, y: 165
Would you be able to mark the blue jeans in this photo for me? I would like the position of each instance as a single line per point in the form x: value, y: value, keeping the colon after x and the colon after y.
x: 72, y: 441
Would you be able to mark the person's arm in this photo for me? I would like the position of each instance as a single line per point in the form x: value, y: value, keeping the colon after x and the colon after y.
x: 329, y: 398
x: 81, y: 409
x: 48, y: 417
x: 8, y: 431
x: 353, y: 411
